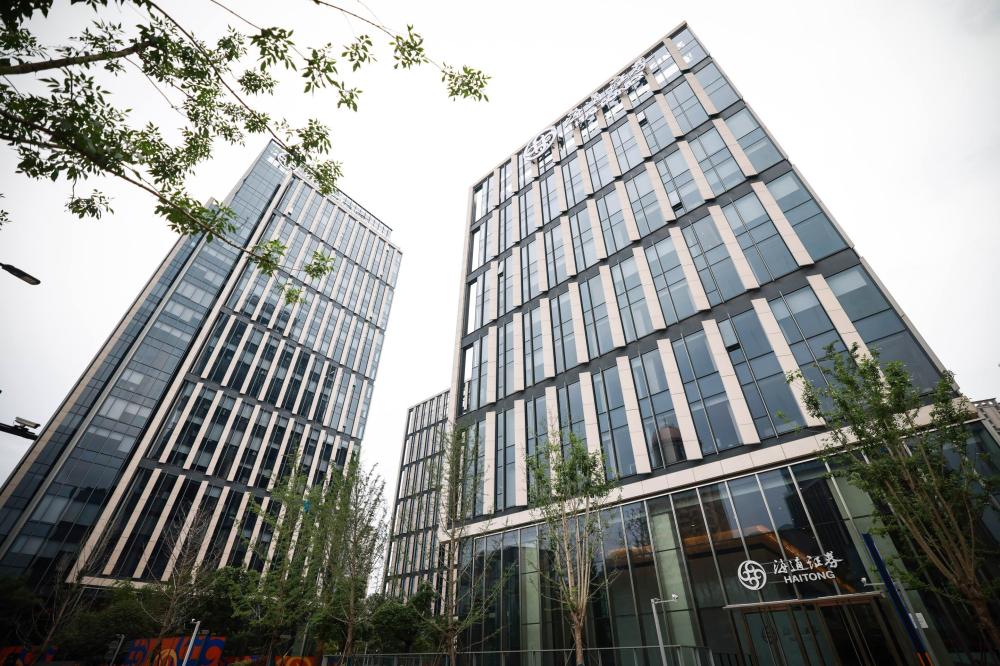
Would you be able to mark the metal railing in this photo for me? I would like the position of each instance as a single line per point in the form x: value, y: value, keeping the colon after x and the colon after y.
x: 642, y: 655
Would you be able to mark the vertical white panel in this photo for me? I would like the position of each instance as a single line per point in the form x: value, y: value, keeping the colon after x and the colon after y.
x: 783, y: 353
x: 590, y: 413
x: 699, y: 178
x: 848, y: 333
x: 782, y: 224
x: 579, y: 330
x: 685, y: 423
x: 632, y: 414
x: 614, y: 316
x: 698, y: 295
x: 520, y: 456
x: 648, y: 289
x: 631, y: 227
x: 743, y: 270
x: 489, y: 463
x: 737, y: 403
x: 548, y: 353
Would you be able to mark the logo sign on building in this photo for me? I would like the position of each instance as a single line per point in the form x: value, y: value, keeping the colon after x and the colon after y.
x: 582, y: 115
x: 541, y: 144
x: 753, y: 575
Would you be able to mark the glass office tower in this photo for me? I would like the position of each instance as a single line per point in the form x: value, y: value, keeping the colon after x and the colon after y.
x: 644, y: 273
x: 209, y: 389
x: 411, y: 557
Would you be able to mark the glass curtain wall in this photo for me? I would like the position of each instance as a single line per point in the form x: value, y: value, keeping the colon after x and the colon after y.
x: 801, y: 523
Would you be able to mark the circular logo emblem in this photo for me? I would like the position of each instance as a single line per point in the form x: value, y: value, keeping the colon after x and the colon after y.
x: 540, y: 144
x: 752, y: 575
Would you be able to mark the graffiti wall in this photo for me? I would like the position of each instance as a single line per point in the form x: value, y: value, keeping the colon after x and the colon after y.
x: 21, y: 655
x: 294, y: 661
x: 206, y: 651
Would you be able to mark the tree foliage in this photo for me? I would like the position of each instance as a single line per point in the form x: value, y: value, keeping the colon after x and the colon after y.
x: 569, y: 487
x: 61, y: 110
x: 326, y: 540
x: 403, y: 627
x: 930, y: 486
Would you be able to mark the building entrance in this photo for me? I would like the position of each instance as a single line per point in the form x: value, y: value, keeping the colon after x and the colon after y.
x: 848, y: 630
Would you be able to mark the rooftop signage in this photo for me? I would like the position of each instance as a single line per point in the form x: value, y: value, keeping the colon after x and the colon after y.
x: 582, y: 115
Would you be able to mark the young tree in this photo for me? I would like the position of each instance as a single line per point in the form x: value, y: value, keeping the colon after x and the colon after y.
x: 466, y: 594
x: 929, y: 490
x: 401, y: 627
x: 568, y: 488
x: 58, y: 603
x: 326, y: 539
x: 168, y: 601
x: 354, y: 553
x: 117, y: 611
x: 62, y: 109
x: 286, y: 596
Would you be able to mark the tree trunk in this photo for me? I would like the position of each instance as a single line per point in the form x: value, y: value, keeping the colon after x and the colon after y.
x: 578, y: 643
x: 43, y: 648
x: 270, y: 648
x: 982, y: 610
x: 348, y: 643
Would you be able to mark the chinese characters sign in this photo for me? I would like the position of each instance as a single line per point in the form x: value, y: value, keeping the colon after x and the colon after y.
x: 582, y: 115
x: 753, y: 575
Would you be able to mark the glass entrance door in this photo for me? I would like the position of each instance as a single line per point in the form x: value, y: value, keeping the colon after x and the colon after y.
x: 827, y: 633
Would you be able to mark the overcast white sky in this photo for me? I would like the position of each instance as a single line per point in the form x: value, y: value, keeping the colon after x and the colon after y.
x: 888, y: 108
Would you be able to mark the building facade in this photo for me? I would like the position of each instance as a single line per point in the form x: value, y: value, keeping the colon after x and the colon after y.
x: 411, y: 556
x: 644, y: 273
x: 209, y: 389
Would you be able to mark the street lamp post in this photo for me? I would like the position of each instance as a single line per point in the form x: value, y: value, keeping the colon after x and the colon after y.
x: 194, y: 637
x: 21, y: 275
x: 656, y: 618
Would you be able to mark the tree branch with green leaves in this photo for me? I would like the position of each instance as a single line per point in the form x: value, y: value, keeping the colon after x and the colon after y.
x: 60, y: 109
x: 569, y: 488
x: 930, y: 486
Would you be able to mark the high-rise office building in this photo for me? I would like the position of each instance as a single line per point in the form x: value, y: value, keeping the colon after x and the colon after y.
x: 411, y: 557
x: 207, y: 391
x: 644, y: 273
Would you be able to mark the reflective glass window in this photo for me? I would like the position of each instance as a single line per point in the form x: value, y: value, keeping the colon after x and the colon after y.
x: 685, y: 106
x: 682, y: 190
x: 706, y: 396
x: 716, y: 162
x: 716, y: 86
x: 631, y: 300
x: 584, y: 251
x: 534, y: 367
x: 757, y: 146
x: 597, y: 162
x: 654, y: 127
x: 763, y: 246
x: 880, y: 326
x: 626, y: 147
x: 772, y: 405
x: 613, y: 424
x: 595, y: 316
x: 645, y: 205
x: 711, y: 258
x: 669, y: 280
x: 563, y: 340
x: 609, y: 210
x: 664, y: 444
x: 814, y: 229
